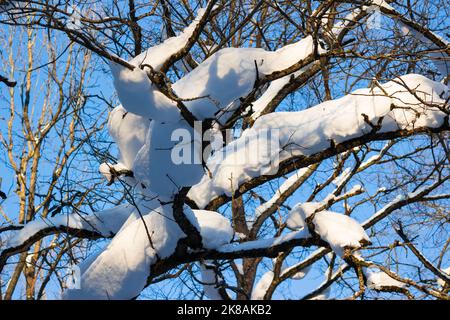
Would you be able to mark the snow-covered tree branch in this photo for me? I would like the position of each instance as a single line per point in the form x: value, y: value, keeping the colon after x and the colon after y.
x: 233, y: 147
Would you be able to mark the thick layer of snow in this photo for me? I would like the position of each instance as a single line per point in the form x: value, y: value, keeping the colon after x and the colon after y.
x: 254, y: 154
x: 214, y: 228
x: 235, y: 69
x: 121, y: 270
x: 299, y: 213
x: 379, y: 280
x: 210, y: 280
x: 260, y: 288
x: 340, y: 231
x: 160, y: 163
x: 147, y: 148
x: 106, y: 170
x: 138, y: 95
x: 310, y: 131
x: 128, y: 131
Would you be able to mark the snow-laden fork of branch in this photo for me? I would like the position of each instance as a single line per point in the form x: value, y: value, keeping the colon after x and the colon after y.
x: 404, y: 106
